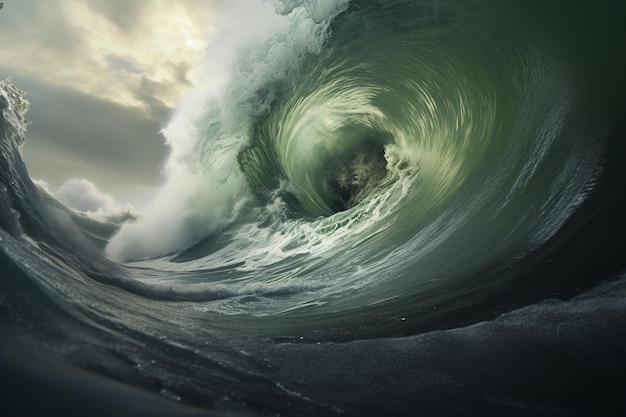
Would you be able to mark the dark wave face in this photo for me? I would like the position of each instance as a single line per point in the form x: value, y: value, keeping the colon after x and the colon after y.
x: 388, y: 208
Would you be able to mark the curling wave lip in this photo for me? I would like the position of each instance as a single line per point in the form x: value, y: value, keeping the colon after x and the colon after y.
x: 385, y: 207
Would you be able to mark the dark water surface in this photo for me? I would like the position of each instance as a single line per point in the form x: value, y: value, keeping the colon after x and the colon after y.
x: 395, y: 208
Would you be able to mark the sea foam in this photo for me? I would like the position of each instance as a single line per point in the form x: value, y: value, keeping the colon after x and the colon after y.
x: 256, y: 44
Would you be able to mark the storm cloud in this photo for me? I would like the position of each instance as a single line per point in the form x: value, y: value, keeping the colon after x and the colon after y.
x: 103, y: 79
x: 74, y: 134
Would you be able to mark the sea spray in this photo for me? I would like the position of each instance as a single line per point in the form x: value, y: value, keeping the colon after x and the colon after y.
x: 481, y: 273
x: 204, y: 183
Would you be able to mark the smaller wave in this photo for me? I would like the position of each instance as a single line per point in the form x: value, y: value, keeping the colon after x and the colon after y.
x: 14, y: 107
x: 96, y: 215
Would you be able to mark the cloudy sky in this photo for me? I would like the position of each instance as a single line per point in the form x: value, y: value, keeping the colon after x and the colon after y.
x: 103, y: 78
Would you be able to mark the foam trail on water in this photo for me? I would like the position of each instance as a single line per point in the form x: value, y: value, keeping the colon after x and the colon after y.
x: 204, y: 183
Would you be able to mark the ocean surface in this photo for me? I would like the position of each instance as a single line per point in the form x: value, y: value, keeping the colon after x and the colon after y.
x: 381, y: 208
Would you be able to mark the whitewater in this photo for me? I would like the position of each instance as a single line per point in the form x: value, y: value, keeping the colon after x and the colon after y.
x: 371, y: 208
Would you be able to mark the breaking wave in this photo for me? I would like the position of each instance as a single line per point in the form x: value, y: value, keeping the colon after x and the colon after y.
x: 423, y: 188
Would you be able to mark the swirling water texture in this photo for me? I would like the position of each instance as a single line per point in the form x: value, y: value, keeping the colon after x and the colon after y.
x: 411, y: 173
